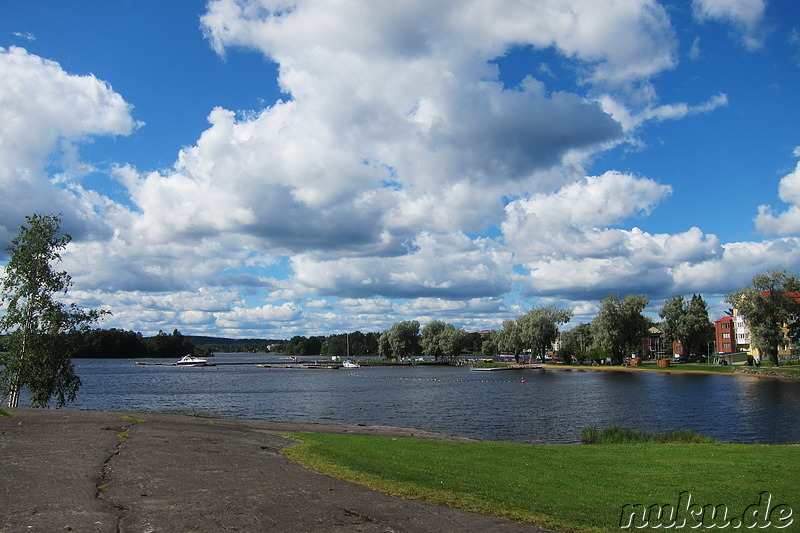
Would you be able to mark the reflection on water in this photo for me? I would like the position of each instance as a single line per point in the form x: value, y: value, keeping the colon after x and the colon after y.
x: 549, y: 406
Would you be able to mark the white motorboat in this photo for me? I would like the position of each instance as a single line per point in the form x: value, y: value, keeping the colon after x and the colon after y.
x: 349, y: 363
x: 190, y: 360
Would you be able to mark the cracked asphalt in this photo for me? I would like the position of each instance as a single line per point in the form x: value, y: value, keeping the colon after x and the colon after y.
x: 65, y: 470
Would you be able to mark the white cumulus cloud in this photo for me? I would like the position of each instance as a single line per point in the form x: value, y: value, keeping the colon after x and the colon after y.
x: 745, y: 15
x: 787, y: 222
x: 44, y: 110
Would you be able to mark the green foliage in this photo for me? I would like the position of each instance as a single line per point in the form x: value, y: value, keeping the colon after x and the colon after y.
x: 400, y: 340
x: 770, y: 308
x: 441, y: 340
x: 575, y: 343
x: 222, y: 344
x: 509, y: 339
x: 489, y: 345
x: 4, y: 414
x: 299, y: 345
x: 430, y: 340
x: 563, y: 487
x: 473, y: 342
x: 43, y: 332
x: 97, y: 343
x: 363, y: 344
x: 538, y: 328
x: 687, y: 323
x: 163, y: 345
x: 619, y: 435
x: 620, y: 326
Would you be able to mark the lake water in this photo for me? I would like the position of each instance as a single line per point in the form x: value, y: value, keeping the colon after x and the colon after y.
x: 550, y: 406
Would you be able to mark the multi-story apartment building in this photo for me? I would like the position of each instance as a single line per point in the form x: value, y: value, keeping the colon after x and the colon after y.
x: 725, y: 335
x: 741, y: 331
x: 733, y: 335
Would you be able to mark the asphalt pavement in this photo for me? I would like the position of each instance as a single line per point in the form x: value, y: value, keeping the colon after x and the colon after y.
x: 107, y: 472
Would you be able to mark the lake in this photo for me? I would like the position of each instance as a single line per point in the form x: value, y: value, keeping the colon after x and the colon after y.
x: 550, y: 406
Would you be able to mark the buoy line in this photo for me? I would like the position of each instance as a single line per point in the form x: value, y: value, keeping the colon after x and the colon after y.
x: 438, y: 380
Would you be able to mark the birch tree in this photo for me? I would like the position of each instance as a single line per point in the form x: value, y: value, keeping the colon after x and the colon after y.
x: 39, y: 326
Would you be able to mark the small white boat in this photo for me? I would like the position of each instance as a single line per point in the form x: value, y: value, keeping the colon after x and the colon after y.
x: 349, y: 363
x: 190, y: 360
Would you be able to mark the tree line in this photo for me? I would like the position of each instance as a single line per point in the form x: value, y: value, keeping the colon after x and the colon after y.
x: 770, y: 307
x: 116, y: 343
x: 621, y: 330
x: 438, y: 340
x: 340, y: 345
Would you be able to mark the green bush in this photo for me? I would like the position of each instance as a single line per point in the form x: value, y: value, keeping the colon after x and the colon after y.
x: 620, y: 435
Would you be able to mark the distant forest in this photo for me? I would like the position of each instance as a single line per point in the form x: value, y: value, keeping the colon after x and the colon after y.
x: 116, y: 343
x: 120, y: 344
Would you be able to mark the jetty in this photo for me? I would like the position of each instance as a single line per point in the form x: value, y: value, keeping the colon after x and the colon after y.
x: 262, y: 364
x: 304, y: 366
x: 509, y: 367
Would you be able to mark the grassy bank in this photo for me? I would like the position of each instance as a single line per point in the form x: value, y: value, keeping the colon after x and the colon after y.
x: 574, y: 487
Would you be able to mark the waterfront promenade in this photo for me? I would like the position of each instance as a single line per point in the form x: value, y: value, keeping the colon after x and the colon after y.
x: 94, y: 471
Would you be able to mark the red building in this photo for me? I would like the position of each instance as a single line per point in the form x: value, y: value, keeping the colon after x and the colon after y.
x: 724, y: 335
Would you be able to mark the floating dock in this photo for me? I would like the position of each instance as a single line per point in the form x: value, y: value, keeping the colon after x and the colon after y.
x: 303, y: 366
x: 510, y: 367
x: 311, y: 365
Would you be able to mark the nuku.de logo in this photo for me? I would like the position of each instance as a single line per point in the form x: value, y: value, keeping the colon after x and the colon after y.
x: 686, y: 514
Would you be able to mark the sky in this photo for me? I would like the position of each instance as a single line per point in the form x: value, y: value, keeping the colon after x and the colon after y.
x: 271, y: 168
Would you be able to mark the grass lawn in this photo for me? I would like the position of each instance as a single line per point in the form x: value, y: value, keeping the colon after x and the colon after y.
x: 699, y: 367
x: 568, y: 487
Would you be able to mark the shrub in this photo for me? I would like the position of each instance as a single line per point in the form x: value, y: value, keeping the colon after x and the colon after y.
x: 620, y: 435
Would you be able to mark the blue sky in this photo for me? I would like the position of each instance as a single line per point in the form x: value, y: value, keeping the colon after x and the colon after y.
x: 271, y: 168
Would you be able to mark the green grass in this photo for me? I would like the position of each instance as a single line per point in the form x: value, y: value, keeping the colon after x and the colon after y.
x: 4, y: 414
x: 699, y: 367
x: 619, y: 435
x: 569, y: 487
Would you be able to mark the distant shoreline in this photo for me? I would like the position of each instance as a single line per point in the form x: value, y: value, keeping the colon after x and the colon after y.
x: 676, y: 370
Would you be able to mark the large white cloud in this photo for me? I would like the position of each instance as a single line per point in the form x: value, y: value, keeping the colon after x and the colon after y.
x: 44, y: 110
x: 573, y: 221
x: 788, y: 222
x: 397, y: 122
x: 375, y: 183
x: 451, y: 266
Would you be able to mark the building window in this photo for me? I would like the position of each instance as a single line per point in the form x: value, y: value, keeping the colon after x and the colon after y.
x: 726, y: 335
x: 726, y: 345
